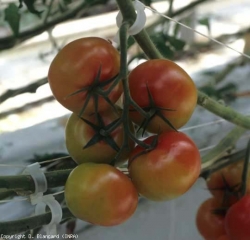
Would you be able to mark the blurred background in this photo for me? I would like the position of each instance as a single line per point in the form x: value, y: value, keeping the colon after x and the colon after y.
x: 32, y: 123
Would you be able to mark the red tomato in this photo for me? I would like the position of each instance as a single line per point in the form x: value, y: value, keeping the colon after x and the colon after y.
x: 167, y: 171
x: 210, y: 225
x: 77, y: 65
x: 170, y: 87
x: 100, y: 194
x: 237, y: 221
x: 78, y: 133
x: 224, y: 237
x: 232, y: 179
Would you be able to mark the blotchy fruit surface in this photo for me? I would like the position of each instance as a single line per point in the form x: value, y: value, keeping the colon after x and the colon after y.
x: 77, y: 65
x: 167, y: 171
x: 170, y: 87
x: 100, y: 194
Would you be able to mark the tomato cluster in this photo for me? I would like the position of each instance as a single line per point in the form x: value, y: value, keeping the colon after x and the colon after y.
x: 226, y: 216
x: 98, y: 132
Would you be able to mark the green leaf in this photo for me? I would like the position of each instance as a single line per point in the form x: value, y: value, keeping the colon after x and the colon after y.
x: 30, y: 5
x: 12, y: 16
x: 176, y: 43
x: 176, y: 30
x: 160, y: 42
x: 205, y: 21
x: 95, y: 2
x: 67, y: 1
x: 147, y: 2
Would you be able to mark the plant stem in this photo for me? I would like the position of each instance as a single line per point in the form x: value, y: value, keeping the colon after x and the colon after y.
x: 152, y: 52
x: 224, y: 145
x: 31, y: 88
x: 223, y: 162
x: 245, y: 170
x: 25, y: 224
x: 225, y: 112
x: 25, y: 183
x: 6, y: 194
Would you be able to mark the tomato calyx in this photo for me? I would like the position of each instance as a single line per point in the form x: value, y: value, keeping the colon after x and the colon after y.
x: 151, y: 147
x: 101, y: 133
x: 228, y: 191
x: 95, y: 90
x: 153, y: 110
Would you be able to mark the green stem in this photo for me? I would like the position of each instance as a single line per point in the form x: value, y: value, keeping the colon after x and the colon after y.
x: 225, y: 112
x: 170, y: 9
x: 224, y: 145
x: 127, y: 97
x: 48, y: 12
x: 25, y: 183
x: 25, y: 224
x: 223, y: 162
x: 245, y: 170
x: 152, y: 52
x: 6, y: 193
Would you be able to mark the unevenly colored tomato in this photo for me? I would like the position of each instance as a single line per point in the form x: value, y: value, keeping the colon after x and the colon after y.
x: 77, y: 65
x: 227, y: 179
x: 100, y: 194
x: 209, y: 224
x: 78, y: 133
x: 237, y: 221
x: 170, y: 86
x: 168, y: 170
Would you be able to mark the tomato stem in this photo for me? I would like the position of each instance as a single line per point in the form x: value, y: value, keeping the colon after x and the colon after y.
x: 223, y: 146
x: 144, y: 41
x: 223, y: 162
x: 245, y: 170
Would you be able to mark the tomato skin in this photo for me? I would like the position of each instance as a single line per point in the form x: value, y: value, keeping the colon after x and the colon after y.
x: 170, y: 86
x: 237, y: 220
x: 210, y: 226
x: 76, y: 66
x: 224, y: 237
x: 232, y: 175
x: 78, y: 134
x: 100, y: 194
x: 169, y: 170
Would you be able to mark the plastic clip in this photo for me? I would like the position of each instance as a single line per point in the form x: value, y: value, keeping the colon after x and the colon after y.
x: 41, y: 201
x: 56, y: 212
x: 38, y: 177
x: 138, y: 24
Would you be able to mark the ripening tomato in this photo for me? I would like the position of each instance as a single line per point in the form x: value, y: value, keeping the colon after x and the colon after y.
x: 170, y: 87
x: 227, y: 177
x: 224, y: 237
x: 77, y: 65
x: 168, y: 170
x: 209, y: 224
x: 100, y: 194
x: 78, y: 133
x: 237, y: 221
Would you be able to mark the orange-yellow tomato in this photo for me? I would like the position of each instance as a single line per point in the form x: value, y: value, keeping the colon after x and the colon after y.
x: 167, y: 171
x: 78, y: 133
x: 77, y: 65
x: 170, y: 87
x: 100, y: 194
